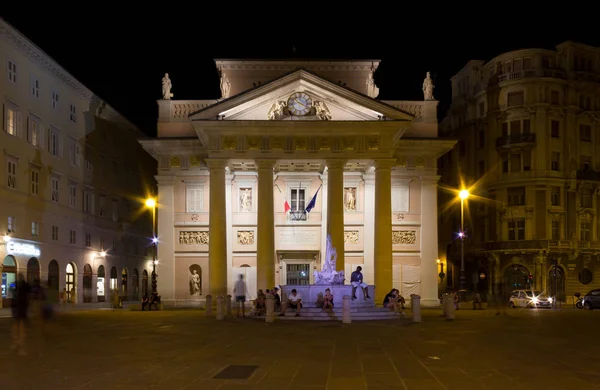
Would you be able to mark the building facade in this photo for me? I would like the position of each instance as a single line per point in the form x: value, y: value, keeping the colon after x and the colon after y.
x: 72, y: 183
x: 253, y: 183
x: 528, y: 124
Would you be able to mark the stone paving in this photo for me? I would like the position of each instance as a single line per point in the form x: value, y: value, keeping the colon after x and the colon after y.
x: 526, y: 349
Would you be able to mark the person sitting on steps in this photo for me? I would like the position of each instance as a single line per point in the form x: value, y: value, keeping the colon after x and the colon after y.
x: 294, y: 301
x: 356, y: 279
x: 327, y: 300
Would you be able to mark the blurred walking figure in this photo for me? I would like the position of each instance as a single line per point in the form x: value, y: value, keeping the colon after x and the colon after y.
x: 240, y: 291
x: 20, y: 305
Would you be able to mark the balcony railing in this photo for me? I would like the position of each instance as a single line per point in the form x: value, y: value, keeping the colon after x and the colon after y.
x: 539, y: 245
x: 588, y: 175
x: 298, y: 215
x: 540, y: 72
x: 515, y: 139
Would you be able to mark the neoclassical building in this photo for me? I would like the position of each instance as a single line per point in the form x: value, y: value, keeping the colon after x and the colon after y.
x: 528, y: 126
x: 252, y: 183
x: 72, y: 183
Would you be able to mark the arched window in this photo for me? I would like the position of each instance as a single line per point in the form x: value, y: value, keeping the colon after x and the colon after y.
x: 33, y: 271
x: 87, y: 283
x: 100, y: 284
x: 70, y: 282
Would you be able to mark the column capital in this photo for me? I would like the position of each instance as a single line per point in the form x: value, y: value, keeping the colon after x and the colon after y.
x: 335, y: 164
x: 430, y: 180
x: 165, y: 180
x: 384, y: 163
x: 369, y: 178
x: 216, y: 163
x: 265, y: 163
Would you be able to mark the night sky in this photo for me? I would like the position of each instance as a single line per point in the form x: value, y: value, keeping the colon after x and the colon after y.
x: 122, y: 56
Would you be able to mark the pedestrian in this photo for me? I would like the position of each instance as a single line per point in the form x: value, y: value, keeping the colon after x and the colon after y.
x: 20, y: 305
x: 240, y: 291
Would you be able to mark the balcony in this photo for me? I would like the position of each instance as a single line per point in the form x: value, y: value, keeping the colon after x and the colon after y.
x: 540, y: 72
x: 588, y: 174
x: 514, y: 140
x: 535, y: 245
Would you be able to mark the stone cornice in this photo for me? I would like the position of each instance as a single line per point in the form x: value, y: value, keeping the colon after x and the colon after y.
x: 259, y: 65
x: 434, y: 146
x: 173, y: 146
x: 430, y: 180
x: 216, y: 163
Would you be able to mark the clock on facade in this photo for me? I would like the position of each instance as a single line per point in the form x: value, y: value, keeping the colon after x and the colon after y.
x: 299, y: 103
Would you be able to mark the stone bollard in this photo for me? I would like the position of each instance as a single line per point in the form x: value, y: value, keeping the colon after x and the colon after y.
x: 220, y: 302
x: 270, y: 316
x: 444, y: 301
x: 208, y: 307
x: 228, y: 305
x: 346, y: 318
x: 449, y: 307
x: 415, y: 307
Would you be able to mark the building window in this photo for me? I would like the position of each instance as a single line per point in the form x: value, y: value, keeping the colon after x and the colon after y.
x: 72, y: 237
x: 35, y: 87
x: 115, y: 210
x: 55, y: 188
x: 555, y: 196
x: 10, y: 228
x: 556, y: 230
x: 554, y: 97
x: 35, y: 182
x: 555, y: 129
x: 516, y: 98
x: 555, y: 161
x: 585, y: 163
x: 585, y: 133
x: 74, y: 152
x: 586, y: 198
x: 101, y: 202
x: 585, y: 277
x: 516, y: 230
x: 54, y: 233
x: 297, y: 198
x: 12, y: 71
x: 516, y: 196
x: 35, y: 229
x: 54, y: 99
x: 101, y: 243
x: 585, y: 233
x: 195, y: 199
x: 33, y: 132
x: 481, y: 109
x: 72, y: 195
x: 10, y: 120
x: 72, y: 113
x: 11, y: 172
x: 54, y: 143
x: 88, y: 201
x: 88, y: 240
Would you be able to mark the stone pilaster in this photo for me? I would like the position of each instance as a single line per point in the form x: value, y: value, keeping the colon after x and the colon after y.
x: 369, y: 217
x: 335, y: 208
x: 265, y: 244
x: 217, y: 245
x: 383, y: 228
x: 429, y: 241
x: 229, y: 204
x: 166, y: 246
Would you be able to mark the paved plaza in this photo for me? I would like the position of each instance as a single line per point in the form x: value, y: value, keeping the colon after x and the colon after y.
x: 526, y: 349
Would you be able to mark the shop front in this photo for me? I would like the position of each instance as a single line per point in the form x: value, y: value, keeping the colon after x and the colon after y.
x: 20, y: 257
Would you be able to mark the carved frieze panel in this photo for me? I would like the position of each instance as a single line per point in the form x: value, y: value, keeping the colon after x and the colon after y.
x: 253, y: 142
x: 229, y: 142
x: 351, y: 237
x: 404, y: 237
x: 348, y: 143
x: 277, y: 143
x: 301, y: 143
x: 245, y: 237
x: 323, y: 143
x: 195, y: 161
x: 175, y: 162
x: 373, y: 142
x: 193, y: 238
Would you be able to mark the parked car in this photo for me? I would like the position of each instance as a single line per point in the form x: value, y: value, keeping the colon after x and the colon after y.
x: 528, y: 298
x: 591, y: 300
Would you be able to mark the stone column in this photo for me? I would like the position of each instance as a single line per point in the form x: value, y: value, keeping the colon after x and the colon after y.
x: 265, y: 248
x: 429, y: 241
x: 166, y: 247
x: 335, y: 208
x: 229, y: 212
x: 217, y: 245
x: 369, y: 224
x: 383, y: 228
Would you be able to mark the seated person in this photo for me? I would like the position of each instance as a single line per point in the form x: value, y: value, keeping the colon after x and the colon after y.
x: 320, y: 300
x: 274, y: 292
x: 328, y: 300
x: 259, y: 303
x: 145, y: 301
x: 393, y: 300
x: 154, y: 300
x: 294, y: 301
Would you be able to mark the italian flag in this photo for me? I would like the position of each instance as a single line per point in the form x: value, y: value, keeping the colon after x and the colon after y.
x: 286, y: 205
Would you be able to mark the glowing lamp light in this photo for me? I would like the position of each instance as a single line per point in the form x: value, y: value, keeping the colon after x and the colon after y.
x: 155, y: 262
x: 155, y: 240
x: 461, y: 234
x: 6, y: 238
x: 150, y: 203
x: 103, y: 253
x: 463, y: 194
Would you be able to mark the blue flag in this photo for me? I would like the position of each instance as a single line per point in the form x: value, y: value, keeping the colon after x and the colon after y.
x: 313, y: 201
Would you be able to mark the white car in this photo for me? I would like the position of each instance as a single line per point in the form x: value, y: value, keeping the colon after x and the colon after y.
x: 528, y: 298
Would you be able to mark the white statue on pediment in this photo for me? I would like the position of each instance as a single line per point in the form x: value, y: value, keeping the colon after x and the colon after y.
x: 328, y: 274
x: 225, y: 85
x: 166, y: 87
x: 277, y: 110
x: 372, y: 90
x: 428, y: 87
x: 322, y: 111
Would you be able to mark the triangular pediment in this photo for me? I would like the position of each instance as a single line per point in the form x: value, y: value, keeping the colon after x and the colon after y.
x: 326, y: 101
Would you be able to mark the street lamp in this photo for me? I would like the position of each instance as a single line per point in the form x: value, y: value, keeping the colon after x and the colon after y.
x: 151, y: 203
x: 463, y: 195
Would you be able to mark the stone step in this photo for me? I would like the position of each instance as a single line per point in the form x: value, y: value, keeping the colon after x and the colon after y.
x: 336, y: 317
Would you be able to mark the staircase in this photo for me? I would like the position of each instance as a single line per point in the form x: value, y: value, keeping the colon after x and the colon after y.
x: 356, y: 314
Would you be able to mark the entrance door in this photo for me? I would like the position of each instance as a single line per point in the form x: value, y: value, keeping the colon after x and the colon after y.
x: 9, y: 279
x: 298, y: 274
x: 87, y: 284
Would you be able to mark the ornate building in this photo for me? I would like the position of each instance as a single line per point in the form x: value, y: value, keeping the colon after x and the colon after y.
x: 528, y: 124
x: 253, y: 183
x: 73, y: 175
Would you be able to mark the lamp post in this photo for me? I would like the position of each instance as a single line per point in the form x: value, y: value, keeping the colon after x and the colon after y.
x: 463, y: 195
x: 151, y: 203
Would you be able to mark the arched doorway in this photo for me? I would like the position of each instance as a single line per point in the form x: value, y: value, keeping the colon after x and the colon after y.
x: 87, y: 284
x: 9, y: 278
x: 124, y: 277
x: 144, y: 283
x: 556, y: 283
x: 515, y: 278
x: 70, y: 283
x: 33, y: 270
x: 136, y: 285
x: 100, y: 284
x: 53, y: 279
x: 114, y: 283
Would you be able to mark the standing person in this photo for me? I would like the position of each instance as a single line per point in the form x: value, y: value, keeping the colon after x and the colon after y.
x: 356, y: 279
x: 240, y: 291
x: 20, y: 305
